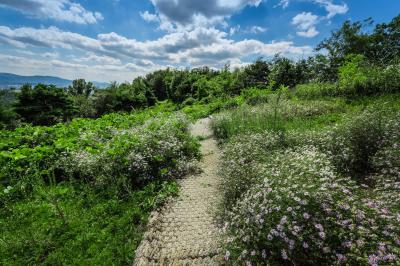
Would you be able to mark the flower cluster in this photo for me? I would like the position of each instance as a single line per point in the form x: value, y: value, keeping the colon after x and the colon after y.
x: 304, y: 212
x: 294, y: 199
x: 158, y: 149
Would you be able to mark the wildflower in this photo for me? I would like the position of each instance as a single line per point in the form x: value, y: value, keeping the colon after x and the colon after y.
x: 347, y: 244
x: 305, y: 245
x: 227, y: 255
x: 248, y: 263
x: 373, y: 260
x: 390, y: 257
x: 321, y: 235
x: 341, y: 258
x: 306, y: 216
x: 263, y: 254
x: 319, y: 227
x: 284, y: 254
x: 291, y: 244
x: 253, y: 253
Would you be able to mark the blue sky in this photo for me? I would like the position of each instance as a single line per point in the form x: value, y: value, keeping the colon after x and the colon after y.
x: 120, y: 39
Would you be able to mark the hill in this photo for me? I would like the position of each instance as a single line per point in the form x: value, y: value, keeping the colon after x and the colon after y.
x: 8, y: 80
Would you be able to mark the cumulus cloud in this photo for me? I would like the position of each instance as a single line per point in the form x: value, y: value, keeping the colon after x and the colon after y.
x: 191, y: 13
x: 149, y: 17
x: 329, y: 5
x: 99, y: 72
x: 333, y: 9
x: 60, y: 10
x: 305, y: 23
x: 201, y: 46
x: 172, y: 46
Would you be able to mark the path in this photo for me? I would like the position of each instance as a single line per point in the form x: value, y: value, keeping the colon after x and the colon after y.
x: 184, y: 233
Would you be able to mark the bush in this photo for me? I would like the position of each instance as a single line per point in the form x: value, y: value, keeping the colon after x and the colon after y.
x: 81, y: 193
x: 272, y: 116
x: 316, y: 90
x: 241, y: 161
x: 302, y: 212
x: 359, y: 77
x: 323, y: 198
x: 254, y: 96
x: 355, y: 143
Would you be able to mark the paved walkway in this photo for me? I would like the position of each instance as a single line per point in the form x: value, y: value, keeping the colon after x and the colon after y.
x: 184, y: 232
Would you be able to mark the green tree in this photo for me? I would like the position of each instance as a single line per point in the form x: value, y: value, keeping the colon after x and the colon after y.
x: 283, y: 72
x: 256, y: 74
x: 44, y: 105
x: 81, y: 87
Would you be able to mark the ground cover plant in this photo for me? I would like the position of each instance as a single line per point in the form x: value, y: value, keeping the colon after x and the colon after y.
x: 80, y: 193
x: 325, y: 195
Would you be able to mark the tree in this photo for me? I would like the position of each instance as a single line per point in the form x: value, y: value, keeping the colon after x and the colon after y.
x: 385, y: 46
x: 8, y: 117
x: 81, y: 87
x: 380, y: 46
x: 321, y: 69
x: 44, y: 105
x: 283, y: 72
x: 256, y: 74
x: 156, y: 83
x: 105, y: 101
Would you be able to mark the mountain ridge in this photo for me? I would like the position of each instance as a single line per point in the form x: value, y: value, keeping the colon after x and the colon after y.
x: 8, y: 80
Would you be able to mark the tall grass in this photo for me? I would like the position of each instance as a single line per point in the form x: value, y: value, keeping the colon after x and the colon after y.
x: 277, y: 115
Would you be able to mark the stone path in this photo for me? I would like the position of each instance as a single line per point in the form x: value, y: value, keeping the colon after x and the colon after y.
x: 184, y: 232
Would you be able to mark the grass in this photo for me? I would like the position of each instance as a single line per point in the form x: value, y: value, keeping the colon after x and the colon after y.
x: 69, y: 224
x: 311, y: 181
x: 81, y: 193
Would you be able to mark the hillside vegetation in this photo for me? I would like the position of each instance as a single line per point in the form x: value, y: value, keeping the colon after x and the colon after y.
x: 310, y: 165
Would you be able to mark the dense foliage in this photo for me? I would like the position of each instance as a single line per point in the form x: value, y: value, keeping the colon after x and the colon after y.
x: 353, y: 61
x: 80, y: 193
x: 320, y: 194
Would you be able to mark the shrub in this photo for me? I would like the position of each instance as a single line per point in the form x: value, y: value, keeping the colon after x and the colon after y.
x: 360, y: 140
x: 302, y: 212
x: 316, y: 90
x: 160, y: 149
x: 272, y: 116
x: 254, y: 96
x: 241, y: 161
x: 81, y: 193
x: 297, y: 198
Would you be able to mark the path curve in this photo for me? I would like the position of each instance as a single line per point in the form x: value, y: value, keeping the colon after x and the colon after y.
x: 185, y: 231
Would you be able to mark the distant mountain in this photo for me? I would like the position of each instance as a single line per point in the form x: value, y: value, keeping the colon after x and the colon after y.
x: 8, y: 80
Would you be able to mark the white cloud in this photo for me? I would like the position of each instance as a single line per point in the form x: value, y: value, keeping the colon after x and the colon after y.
x: 99, y: 59
x: 149, y: 17
x: 60, y: 10
x: 333, y: 9
x: 233, y: 30
x: 188, y: 14
x: 310, y: 33
x: 328, y: 5
x: 283, y: 3
x: 201, y: 46
x: 305, y: 23
x: 257, y: 29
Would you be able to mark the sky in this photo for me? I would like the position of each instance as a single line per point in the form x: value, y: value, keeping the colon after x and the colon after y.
x: 118, y: 40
